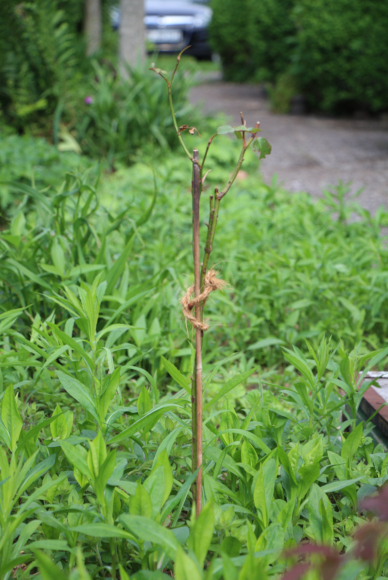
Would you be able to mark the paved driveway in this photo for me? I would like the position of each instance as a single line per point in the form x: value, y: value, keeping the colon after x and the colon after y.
x: 309, y: 153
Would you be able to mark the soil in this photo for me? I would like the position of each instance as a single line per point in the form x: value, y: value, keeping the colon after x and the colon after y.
x: 309, y: 153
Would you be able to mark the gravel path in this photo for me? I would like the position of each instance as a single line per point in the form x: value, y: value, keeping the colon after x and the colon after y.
x: 309, y: 153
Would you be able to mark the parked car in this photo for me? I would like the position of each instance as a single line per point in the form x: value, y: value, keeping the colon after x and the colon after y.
x: 174, y: 24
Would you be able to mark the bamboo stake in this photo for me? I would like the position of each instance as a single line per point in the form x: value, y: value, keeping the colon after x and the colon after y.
x: 197, y: 407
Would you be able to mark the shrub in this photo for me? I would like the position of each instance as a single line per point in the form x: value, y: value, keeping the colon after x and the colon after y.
x: 272, y: 33
x: 253, y: 38
x: 334, y: 51
x: 341, y: 53
x: 229, y: 37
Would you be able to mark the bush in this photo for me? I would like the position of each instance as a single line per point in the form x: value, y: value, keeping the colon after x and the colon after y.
x: 272, y: 34
x: 341, y: 53
x: 229, y: 37
x: 333, y: 51
x: 253, y: 38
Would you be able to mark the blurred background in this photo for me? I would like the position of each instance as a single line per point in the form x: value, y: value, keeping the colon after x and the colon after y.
x: 74, y: 72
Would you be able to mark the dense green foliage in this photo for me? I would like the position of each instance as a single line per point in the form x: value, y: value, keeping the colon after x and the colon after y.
x: 272, y: 31
x: 25, y: 159
x: 253, y: 38
x: 333, y: 51
x: 340, y: 53
x: 230, y: 39
x: 293, y: 271
x: 39, y: 59
x: 45, y: 78
x: 126, y: 116
x: 95, y: 365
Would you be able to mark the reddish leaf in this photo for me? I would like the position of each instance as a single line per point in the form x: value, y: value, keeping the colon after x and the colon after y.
x: 330, y: 567
x: 368, y: 537
x: 297, y: 571
x: 306, y: 549
x: 377, y: 504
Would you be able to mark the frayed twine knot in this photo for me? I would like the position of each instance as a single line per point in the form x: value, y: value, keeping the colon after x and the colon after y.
x: 212, y: 283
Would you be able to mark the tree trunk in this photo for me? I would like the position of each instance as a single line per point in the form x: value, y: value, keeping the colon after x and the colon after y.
x: 92, y: 25
x: 132, y: 33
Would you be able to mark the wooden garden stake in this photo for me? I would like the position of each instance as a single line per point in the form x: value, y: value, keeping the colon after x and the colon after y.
x: 197, y: 383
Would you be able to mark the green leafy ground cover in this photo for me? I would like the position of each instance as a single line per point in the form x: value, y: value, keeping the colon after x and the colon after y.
x: 95, y: 366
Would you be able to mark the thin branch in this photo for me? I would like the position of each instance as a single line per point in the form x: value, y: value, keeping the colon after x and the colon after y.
x: 178, y: 60
x: 176, y: 124
x: 207, y: 150
x: 214, y: 208
x: 237, y: 169
x: 169, y: 85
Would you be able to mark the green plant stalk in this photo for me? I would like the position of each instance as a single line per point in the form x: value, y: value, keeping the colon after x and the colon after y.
x: 215, y: 209
x: 205, y: 157
x: 210, y: 236
x: 113, y: 555
x: 240, y: 161
x: 175, y: 122
x: 169, y: 83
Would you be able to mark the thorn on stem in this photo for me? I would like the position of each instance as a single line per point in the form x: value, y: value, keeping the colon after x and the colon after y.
x: 205, y: 176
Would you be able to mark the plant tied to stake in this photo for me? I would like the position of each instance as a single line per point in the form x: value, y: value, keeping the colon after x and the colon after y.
x: 205, y: 280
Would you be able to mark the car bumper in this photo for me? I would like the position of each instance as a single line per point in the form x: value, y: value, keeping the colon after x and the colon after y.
x: 197, y: 39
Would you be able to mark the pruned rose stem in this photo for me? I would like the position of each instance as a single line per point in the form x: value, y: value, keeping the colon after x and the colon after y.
x: 200, y: 270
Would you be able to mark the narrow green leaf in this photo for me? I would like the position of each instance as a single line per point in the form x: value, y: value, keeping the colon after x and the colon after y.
x: 270, y: 341
x: 74, y: 344
x: 176, y: 375
x: 50, y: 545
x: 47, y: 568
x: 79, y: 392
x: 202, y: 533
x: 229, y: 386
x: 352, y: 443
x: 101, y: 530
x: 149, y: 531
x: 185, y: 568
x: 144, y: 403
x: 338, y: 485
x: 141, y: 504
x: 145, y: 423
x: 76, y: 458
x: 118, y: 267
x: 10, y: 415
